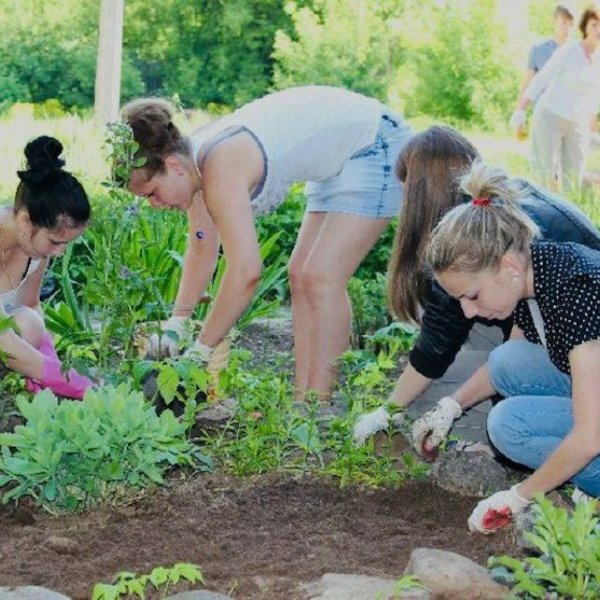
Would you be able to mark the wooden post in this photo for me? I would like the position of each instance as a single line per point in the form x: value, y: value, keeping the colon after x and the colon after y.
x: 108, y: 70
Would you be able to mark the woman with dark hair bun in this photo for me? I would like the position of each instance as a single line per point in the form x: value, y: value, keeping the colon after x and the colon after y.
x: 51, y: 209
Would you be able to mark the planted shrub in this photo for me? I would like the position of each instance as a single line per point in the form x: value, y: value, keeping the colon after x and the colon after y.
x: 569, y: 565
x: 71, y: 454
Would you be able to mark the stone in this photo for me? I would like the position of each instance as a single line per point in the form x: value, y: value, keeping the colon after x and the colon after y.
x: 62, y: 545
x: 198, y: 595
x: 30, y: 592
x: 339, y: 586
x: 450, y: 576
x: 469, y: 473
x: 217, y: 415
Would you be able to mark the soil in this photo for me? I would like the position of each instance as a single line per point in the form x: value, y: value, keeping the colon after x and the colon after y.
x: 254, y: 538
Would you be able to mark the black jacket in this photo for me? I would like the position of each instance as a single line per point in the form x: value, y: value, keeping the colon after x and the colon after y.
x: 444, y: 327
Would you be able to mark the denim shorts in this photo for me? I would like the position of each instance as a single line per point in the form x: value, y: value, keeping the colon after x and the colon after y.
x: 367, y: 184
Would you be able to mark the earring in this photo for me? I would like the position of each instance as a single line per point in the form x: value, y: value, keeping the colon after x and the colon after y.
x: 515, y: 277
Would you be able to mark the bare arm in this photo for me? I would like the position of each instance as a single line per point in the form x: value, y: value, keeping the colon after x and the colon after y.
x: 227, y: 196
x: 29, y: 292
x: 582, y: 444
x: 199, y: 261
x: 23, y: 357
x: 410, y: 385
x: 479, y: 387
x: 529, y: 74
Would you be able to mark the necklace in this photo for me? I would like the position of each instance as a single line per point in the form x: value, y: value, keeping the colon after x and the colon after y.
x: 199, y: 232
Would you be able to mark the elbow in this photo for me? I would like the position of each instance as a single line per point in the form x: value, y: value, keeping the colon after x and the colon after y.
x: 589, y: 445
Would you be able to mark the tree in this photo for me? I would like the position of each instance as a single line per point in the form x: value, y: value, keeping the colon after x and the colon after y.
x: 358, y: 48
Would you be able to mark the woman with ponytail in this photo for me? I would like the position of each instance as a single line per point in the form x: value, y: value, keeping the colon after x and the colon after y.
x: 51, y: 209
x: 430, y: 167
x: 487, y: 255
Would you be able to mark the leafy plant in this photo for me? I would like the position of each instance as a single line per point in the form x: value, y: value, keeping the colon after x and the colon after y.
x: 129, y: 584
x: 569, y: 565
x: 110, y: 445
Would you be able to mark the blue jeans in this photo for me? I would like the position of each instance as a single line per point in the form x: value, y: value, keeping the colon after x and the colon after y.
x: 538, y: 411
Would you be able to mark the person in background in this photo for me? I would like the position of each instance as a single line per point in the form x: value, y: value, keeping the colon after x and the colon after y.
x: 228, y: 172
x: 567, y: 96
x: 437, y: 384
x: 51, y: 209
x: 540, y: 53
x: 487, y: 256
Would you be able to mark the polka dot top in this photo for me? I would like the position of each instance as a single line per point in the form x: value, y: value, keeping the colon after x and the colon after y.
x: 566, y: 283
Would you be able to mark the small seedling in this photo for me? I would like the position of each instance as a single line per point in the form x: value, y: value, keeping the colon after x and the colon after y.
x: 161, y: 578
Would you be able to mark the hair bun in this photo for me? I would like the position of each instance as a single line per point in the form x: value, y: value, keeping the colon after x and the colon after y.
x: 43, y: 162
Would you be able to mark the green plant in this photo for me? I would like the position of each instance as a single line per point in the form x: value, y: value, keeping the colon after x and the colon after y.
x: 110, y: 445
x: 569, y: 565
x: 121, y: 152
x: 130, y: 584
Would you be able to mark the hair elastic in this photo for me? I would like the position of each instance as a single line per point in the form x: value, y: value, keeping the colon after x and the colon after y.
x: 481, y: 201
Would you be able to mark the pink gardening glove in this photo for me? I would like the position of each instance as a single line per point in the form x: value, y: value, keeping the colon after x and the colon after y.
x: 70, y: 385
x: 48, y: 350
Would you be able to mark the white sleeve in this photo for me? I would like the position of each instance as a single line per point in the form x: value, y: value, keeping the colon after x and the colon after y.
x: 542, y: 78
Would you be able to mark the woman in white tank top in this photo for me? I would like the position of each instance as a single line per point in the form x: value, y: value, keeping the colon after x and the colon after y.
x: 51, y: 209
x: 343, y: 144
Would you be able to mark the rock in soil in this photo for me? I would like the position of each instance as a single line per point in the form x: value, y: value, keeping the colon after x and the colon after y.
x: 338, y: 586
x: 453, y: 577
x: 30, y: 592
x: 198, y: 595
x: 62, y: 545
x: 469, y: 473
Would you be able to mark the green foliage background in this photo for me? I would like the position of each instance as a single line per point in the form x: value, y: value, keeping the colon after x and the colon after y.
x: 457, y: 60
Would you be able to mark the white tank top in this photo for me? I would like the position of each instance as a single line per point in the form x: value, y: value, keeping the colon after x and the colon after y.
x: 305, y: 134
x: 8, y: 299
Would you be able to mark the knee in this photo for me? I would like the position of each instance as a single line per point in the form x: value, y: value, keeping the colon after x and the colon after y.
x: 30, y: 324
x: 503, y: 362
x: 315, y: 283
x: 295, y: 270
x: 502, y: 426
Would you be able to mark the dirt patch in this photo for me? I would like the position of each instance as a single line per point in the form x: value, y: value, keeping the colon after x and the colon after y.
x: 254, y: 538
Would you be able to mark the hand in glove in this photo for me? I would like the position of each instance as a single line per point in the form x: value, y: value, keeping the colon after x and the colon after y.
x: 70, y: 385
x: 433, y: 427
x: 517, y: 120
x: 497, y: 511
x: 370, y: 423
x: 199, y: 352
x: 48, y: 350
x: 169, y: 341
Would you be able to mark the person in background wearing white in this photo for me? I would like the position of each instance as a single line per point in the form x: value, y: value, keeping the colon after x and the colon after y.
x: 567, y: 91
x: 541, y: 53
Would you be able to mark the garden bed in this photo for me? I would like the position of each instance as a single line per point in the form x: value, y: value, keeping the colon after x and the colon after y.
x: 258, y: 537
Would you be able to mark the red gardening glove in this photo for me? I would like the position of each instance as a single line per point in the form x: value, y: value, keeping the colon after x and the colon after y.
x: 70, y: 385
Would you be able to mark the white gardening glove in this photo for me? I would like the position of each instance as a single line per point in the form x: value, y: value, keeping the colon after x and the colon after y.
x: 497, y: 511
x: 199, y: 352
x: 435, y: 424
x: 169, y: 341
x: 370, y: 423
x: 518, y: 120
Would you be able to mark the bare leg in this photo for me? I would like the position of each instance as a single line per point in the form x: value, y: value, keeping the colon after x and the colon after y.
x: 21, y: 347
x: 342, y: 243
x: 309, y: 231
